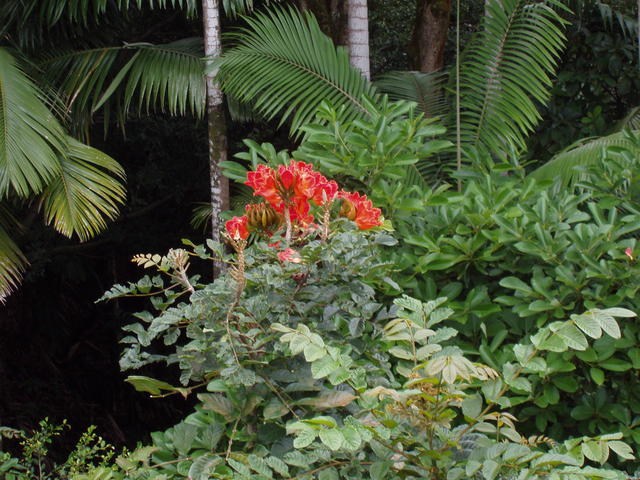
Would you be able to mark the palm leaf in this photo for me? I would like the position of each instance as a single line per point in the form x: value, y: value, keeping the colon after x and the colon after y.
x: 47, y: 13
x: 426, y: 89
x: 30, y: 137
x: 562, y: 167
x: 506, y: 69
x: 627, y: 24
x: 288, y: 67
x: 140, y: 76
x: 85, y: 194
x: 234, y: 8
x: 12, y: 261
x: 630, y: 121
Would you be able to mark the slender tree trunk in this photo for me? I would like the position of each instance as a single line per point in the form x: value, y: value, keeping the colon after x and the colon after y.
x: 331, y: 16
x: 430, y: 34
x: 217, y: 127
x: 358, y: 35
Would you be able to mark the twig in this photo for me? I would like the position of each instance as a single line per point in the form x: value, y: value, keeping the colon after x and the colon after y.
x: 233, y: 433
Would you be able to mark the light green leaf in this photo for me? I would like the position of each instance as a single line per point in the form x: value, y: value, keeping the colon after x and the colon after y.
x: 332, y: 438
x: 305, y: 438
x: 623, y: 450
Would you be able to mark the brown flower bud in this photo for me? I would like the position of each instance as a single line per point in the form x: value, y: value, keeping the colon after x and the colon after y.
x: 263, y: 218
x: 348, y: 210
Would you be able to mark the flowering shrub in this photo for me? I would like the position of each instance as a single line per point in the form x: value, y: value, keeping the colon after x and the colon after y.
x: 302, y: 370
x: 290, y: 191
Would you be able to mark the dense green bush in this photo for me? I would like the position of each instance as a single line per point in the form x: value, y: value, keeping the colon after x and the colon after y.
x: 513, y: 256
x: 301, y: 368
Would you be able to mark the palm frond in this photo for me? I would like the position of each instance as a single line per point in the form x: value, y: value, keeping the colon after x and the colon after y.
x: 86, y: 193
x: 630, y: 121
x: 426, y: 89
x: 242, y: 111
x: 139, y: 76
x: 234, y: 8
x: 562, y: 167
x: 284, y: 63
x: 12, y: 260
x: 47, y: 13
x: 506, y: 68
x: 30, y: 137
x: 627, y: 24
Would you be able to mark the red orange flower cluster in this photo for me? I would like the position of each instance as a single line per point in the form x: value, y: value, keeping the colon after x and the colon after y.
x: 291, y: 189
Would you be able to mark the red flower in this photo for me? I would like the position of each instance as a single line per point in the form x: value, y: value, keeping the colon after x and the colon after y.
x: 289, y: 255
x: 629, y: 253
x: 360, y: 209
x: 325, y: 192
x: 290, y: 183
x: 264, y: 183
x: 237, y: 228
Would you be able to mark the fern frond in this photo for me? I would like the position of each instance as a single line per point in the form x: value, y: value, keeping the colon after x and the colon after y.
x: 285, y: 64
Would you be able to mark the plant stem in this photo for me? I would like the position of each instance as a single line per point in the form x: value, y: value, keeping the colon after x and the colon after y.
x: 287, y: 219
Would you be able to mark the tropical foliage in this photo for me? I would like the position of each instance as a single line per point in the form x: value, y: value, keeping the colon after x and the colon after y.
x: 380, y: 325
x: 77, y: 187
x: 309, y: 371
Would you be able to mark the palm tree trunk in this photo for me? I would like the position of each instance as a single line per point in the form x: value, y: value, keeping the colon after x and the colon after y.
x: 217, y: 127
x: 358, y: 35
x: 430, y: 34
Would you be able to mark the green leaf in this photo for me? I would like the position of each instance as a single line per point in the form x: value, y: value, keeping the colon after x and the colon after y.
x: 565, y: 383
x: 378, y: 470
x: 323, y: 367
x: 597, y: 375
x: 274, y: 409
x: 515, y: 284
x: 329, y: 474
x: 305, y: 438
x: 609, y: 325
x: 217, y: 403
x: 472, y: 406
x: 329, y: 399
x: 203, y: 466
x: 595, y: 451
x: 332, y: 438
x: 623, y: 450
x: 351, y: 438
x: 615, y: 365
x: 589, y: 325
x: 572, y: 337
x: 313, y: 352
x: 490, y: 469
x: 150, y: 385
